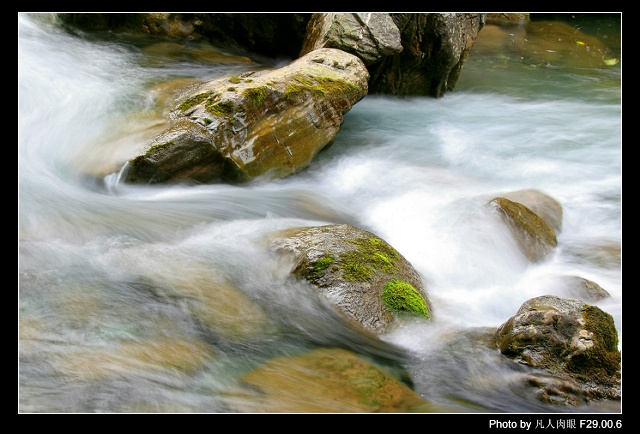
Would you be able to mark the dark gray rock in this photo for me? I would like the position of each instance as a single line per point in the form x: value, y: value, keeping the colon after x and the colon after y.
x: 370, y: 36
x: 435, y: 48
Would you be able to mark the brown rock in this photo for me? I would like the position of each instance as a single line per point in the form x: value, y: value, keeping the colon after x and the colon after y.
x: 327, y: 380
x: 543, y: 205
x: 534, y: 235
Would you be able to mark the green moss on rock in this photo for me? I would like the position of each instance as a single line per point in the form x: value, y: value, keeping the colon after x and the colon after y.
x: 372, y: 255
x: 158, y: 148
x: 302, y: 85
x: 255, y: 95
x: 318, y: 268
x: 222, y: 108
x: 194, y: 100
x: 402, y: 297
x: 323, y: 263
x: 603, y: 361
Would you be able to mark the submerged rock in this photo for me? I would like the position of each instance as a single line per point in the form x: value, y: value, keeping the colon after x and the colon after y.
x: 326, y: 380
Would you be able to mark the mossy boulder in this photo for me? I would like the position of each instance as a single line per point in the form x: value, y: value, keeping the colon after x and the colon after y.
x: 366, y: 279
x: 575, y: 342
x: 269, y: 123
x: 402, y: 297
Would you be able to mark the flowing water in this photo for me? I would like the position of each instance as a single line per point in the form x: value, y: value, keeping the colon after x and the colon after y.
x: 113, y: 315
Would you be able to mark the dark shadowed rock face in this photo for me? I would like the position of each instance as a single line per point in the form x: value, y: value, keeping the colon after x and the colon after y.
x: 575, y: 342
x: 268, y: 34
x: 435, y: 47
x: 408, y: 54
x: 366, y: 279
x: 269, y: 123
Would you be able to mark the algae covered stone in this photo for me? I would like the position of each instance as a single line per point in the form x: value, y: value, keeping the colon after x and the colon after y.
x: 402, y: 297
x: 362, y: 276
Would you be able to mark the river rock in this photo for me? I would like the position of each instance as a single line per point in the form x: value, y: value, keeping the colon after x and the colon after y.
x: 583, y: 289
x: 368, y: 281
x: 408, y: 54
x: 535, y: 237
x: 269, y: 123
x: 326, y: 380
x: 543, y: 205
x: 575, y: 342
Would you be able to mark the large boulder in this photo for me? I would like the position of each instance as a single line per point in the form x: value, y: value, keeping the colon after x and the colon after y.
x: 575, y: 342
x: 268, y: 123
x: 361, y: 275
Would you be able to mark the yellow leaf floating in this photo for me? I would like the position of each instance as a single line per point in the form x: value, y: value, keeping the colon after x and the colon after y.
x: 581, y: 43
x: 611, y: 62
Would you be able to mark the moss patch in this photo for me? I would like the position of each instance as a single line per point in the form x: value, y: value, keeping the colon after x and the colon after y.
x: 221, y: 108
x: 194, y: 100
x: 372, y: 255
x: 323, y: 263
x: 603, y: 361
x: 319, y: 267
x: 401, y: 297
x: 302, y: 85
x: 156, y: 149
x: 255, y: 95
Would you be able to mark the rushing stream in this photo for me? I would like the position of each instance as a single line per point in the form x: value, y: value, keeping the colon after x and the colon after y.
x: 111, y: 276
